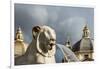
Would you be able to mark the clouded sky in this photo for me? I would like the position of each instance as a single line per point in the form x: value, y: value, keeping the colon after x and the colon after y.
x: 68, y: 22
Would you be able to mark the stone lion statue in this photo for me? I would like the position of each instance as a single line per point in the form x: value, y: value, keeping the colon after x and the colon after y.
x: 42, y: 48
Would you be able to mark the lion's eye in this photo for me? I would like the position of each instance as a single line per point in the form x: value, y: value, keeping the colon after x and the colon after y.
x: 52, y: 40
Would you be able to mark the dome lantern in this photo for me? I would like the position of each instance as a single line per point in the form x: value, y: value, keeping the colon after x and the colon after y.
x: 19, y: 35
x: 68, y: 44
x: 86, y: 32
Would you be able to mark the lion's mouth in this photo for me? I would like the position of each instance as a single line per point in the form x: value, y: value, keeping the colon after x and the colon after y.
x: 50, y: 46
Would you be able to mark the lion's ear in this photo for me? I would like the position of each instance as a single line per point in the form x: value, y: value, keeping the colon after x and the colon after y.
x: 35, y: 31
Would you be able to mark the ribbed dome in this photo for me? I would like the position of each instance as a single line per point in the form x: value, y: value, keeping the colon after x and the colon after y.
x: 83, y: 45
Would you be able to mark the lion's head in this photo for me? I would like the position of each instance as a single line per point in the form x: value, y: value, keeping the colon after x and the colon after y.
x: 45, y: 40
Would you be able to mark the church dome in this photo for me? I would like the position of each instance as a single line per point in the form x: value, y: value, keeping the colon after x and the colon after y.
x: 20, y: 45
x: 85, y: 43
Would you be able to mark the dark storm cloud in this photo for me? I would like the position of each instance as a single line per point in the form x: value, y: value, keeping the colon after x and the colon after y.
x: 68, y: 22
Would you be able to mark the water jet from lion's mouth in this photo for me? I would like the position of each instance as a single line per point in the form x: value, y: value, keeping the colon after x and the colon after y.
x: 67, y: 53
